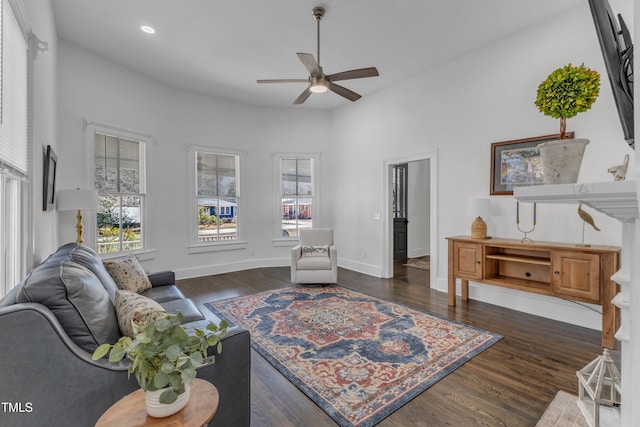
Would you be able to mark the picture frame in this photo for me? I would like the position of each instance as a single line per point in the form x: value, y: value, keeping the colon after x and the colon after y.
x: 49, y: 179
x: 517, y: 163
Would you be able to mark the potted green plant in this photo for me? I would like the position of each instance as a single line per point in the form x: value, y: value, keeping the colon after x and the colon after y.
x: 164, y: 358
x: 566, y: 92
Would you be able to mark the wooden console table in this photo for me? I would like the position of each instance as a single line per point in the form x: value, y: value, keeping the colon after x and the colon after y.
x: 567, y: 271
x: 131, y: 411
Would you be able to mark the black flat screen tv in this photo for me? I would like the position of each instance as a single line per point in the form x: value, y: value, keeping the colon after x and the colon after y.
x: 617, y: 49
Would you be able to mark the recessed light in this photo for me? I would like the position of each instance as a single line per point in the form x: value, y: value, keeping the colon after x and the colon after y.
x: 147, y: 29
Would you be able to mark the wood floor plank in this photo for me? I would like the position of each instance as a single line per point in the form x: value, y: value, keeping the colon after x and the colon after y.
x: 509, y: 384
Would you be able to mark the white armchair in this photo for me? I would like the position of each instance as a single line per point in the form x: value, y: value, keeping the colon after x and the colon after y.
x: 315, y: 259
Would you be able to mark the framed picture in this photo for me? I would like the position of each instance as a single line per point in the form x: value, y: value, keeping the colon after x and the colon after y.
x: 49, y: 179
x: 517, y: 163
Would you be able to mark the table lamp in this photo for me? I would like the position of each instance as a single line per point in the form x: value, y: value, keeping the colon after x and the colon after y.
x: 478, y: 208
x: 71, y: 200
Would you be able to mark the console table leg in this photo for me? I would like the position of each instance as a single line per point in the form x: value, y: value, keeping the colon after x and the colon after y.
x: 610, y: 313
x: 464, y: 287
x: 451, y: 291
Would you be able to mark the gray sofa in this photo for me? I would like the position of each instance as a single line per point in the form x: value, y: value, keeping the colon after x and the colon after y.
x: 51, y: 322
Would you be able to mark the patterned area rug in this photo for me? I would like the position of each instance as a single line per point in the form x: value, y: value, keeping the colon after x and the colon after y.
x: 357, y: 357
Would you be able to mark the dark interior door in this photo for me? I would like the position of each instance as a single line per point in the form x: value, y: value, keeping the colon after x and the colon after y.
x: 400, y: 220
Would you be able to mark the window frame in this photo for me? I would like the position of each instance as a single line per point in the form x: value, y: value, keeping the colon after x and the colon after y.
x: 220, y: 245
x: 23, y: 179
x: 278, y: 239
x: 90, y: 221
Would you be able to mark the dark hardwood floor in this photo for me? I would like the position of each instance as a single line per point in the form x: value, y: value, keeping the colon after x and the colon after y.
x: 509, y: 384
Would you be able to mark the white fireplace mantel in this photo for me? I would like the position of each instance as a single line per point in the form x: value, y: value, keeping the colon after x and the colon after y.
x: 619, y: 200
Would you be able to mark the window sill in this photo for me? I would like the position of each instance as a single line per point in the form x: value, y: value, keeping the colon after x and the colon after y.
x: 140, y: 254
x: 217, y: 247
x: 285, y: 242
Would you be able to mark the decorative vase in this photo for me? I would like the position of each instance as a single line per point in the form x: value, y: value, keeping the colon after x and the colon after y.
x: 561, y: 160
x: 479, y: 229
x: 160, y: 410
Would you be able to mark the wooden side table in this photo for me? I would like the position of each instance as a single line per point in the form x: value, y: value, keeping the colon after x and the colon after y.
x: 130, y: 411
x: 563, y: 270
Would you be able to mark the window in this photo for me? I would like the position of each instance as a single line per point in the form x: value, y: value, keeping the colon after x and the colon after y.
x: 297, y: 194
x: 119, y: 165
x: 10, y: 230
x: 14, y: 152
x: 217, y: 196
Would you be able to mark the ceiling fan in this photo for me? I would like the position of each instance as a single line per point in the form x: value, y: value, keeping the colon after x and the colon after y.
x: 320, y: 82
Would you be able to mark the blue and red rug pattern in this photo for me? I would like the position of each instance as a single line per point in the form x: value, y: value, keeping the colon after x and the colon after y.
x: 356, y: 356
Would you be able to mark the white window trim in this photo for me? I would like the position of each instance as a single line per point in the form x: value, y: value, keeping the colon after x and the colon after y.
x: 90, y: 221
x: 277, y: 208
x: 25, y: 254
x: 196, y: 247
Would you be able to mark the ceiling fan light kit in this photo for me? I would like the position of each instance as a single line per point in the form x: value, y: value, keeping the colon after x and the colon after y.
x: 318, y: 85
x: 317, y: 81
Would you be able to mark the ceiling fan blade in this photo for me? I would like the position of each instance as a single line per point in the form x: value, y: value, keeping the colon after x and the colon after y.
x: 303, y: 96
x: 344, y: 92
x: 284, y: 81
x: 354, y: 74
x: 310, y: 64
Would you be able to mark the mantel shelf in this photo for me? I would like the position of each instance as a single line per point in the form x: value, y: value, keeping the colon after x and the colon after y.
x: 617, y: 199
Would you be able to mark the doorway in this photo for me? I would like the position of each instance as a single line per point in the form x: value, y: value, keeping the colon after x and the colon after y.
x: 399, y: 201
x: 410, y: 220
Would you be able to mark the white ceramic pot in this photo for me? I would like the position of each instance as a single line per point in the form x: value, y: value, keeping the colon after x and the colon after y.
x: 160, y: 410
x: 561, y: 160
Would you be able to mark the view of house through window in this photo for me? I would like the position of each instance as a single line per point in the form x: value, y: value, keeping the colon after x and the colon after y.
x: 120, y: 181
x: 296, y: 194
x: 217, y: 196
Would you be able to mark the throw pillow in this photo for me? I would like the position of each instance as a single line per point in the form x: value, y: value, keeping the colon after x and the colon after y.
x: 133, y: 308
x: 128, y: 274
x: 315, y: 250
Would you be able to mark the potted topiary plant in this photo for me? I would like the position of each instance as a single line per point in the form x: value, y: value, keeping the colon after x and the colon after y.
x: 566, y: 92
x: 164, y: 358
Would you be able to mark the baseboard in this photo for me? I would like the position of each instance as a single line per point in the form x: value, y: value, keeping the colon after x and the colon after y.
x: 539, y: 305
x: 360, y: 267
x: 418, y: 252
x: 187, y: 273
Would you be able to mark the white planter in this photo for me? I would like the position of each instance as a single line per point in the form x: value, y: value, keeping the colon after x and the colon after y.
x: 160, y: 410
x: 561, y: 160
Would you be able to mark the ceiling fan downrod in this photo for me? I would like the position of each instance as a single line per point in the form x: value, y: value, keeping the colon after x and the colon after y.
x: 318, y: 13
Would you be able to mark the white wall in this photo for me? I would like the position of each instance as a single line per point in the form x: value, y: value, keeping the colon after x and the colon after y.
x: 418, y: 209
x: 456, y: 110
x: 459, y: 109
x: 43, y: 126
x: 94, y: 88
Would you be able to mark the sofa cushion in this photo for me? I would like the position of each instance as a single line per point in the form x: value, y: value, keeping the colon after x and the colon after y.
x: 128, y: 274
x: 163, y: 293
x: 314, y: 263
x: 316, y: 236
x: 88, y: 258
x: 185, y: 306
x: 78, y: 300
x: 132, y: 307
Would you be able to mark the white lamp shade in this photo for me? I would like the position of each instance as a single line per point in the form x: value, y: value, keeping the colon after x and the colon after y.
x: 479, y: 208
x: 73, y: 200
